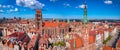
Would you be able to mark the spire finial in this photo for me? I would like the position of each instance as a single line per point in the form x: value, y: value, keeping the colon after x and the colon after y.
x: 84, y: 1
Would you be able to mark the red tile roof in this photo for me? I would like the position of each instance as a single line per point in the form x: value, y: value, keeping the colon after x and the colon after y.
x: 12, y: 21
x: 26, y: 39
x: 79, y: 42
x: 16, y: 34
x: 118, y: 44
x: 91, y: 39
x: 93, y: 32
x: 107, y: 48
x: 71, y: 41
x: 40, y: 48
x: 110, y: 29
x: 50, y: 24
x: 46, y: 36
x: 114, y: 49
x: 63, y: 24
x: 6, y: 44
x: 32, y: 42
x: 100, y: 30
x: 11, y: 45
x: 32, y: 30
x: 23, y: 21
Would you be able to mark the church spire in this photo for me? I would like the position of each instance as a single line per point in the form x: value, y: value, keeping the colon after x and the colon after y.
x: 85, y: 12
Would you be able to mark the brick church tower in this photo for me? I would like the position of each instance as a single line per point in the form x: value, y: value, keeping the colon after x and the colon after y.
x: 38, y: 20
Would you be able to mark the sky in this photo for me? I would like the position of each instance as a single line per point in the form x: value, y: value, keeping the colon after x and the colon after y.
x: 65, y: 9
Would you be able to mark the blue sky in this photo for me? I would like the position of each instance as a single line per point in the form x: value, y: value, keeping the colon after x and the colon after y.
x: 70, y: 9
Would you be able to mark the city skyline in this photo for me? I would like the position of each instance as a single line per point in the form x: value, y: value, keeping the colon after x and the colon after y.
x: 66, y: 9
x: 59, y: 25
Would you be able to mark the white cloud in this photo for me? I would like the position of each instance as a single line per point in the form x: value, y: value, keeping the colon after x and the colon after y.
x: 33, y: 4
x: 9, y: 6
x: 53, y: 0
x: 1, y: 11
x: 13, y: 10
x: 108, y: 2
x: 0, y: 5
x: 16, y: 9
x: 80, y: 6
x: 66, y: 4
x: 6, y: 6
